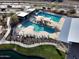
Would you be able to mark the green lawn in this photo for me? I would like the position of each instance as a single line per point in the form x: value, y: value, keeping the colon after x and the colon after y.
x: 46, y: 51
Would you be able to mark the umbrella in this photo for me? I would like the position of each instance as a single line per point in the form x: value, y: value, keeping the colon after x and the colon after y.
x: 20, y: 33
x: 39, y: 18
x: 36, y: 37
x: 33, y: 33
x: 28, y: 35
x: 47, y: 19
x: 24, y: 35
x: 44, y: 34
x: 40, y: 36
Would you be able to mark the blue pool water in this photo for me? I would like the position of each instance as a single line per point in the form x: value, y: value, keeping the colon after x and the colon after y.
x: 38, y: 27
x: 55, y: 18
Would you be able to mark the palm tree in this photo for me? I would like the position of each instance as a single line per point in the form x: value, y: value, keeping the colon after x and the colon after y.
x: 10, y: 14
x: 14, y: 19
x: 71, y: 11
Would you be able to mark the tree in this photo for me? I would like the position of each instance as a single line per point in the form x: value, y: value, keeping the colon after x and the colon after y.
x: 14, y: 19
x: 62, y: 12
x: 44, y: 8
x: 72, y: 11
x: 11, y: 13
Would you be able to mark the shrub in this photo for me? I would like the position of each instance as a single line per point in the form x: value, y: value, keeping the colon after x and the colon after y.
x: 72, y: 11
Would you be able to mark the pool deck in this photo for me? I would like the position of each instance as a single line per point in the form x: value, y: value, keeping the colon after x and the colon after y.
x: 52, y: 35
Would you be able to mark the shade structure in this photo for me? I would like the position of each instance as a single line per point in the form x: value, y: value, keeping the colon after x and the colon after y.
x: 22, y: 14
x: 47, y: 19
x: 30, y: 9
x: 27, y: 30
x: 24, y: 35
x: 32, y: 33
x: 44, y: 34
x: 39, y: 18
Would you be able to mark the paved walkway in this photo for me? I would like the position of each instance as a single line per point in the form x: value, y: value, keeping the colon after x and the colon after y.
x: 33, y: 45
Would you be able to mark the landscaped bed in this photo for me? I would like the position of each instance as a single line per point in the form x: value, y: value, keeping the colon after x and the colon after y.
x: 46, y: 51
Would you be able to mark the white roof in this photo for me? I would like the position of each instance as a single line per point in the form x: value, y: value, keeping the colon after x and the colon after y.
x: 17, y: 6
x: 31, y: 9
x: 21, y: 14
x: 74, y: 31
x: 70, y: 31
x: 3, y: 6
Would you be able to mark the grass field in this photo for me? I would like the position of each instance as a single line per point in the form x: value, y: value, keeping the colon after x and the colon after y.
x: 46, y: 51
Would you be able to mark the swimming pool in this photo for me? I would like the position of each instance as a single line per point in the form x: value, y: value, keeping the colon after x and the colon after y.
x: 41, y: 27
x: 52, y: 16
x: 37, y: 27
